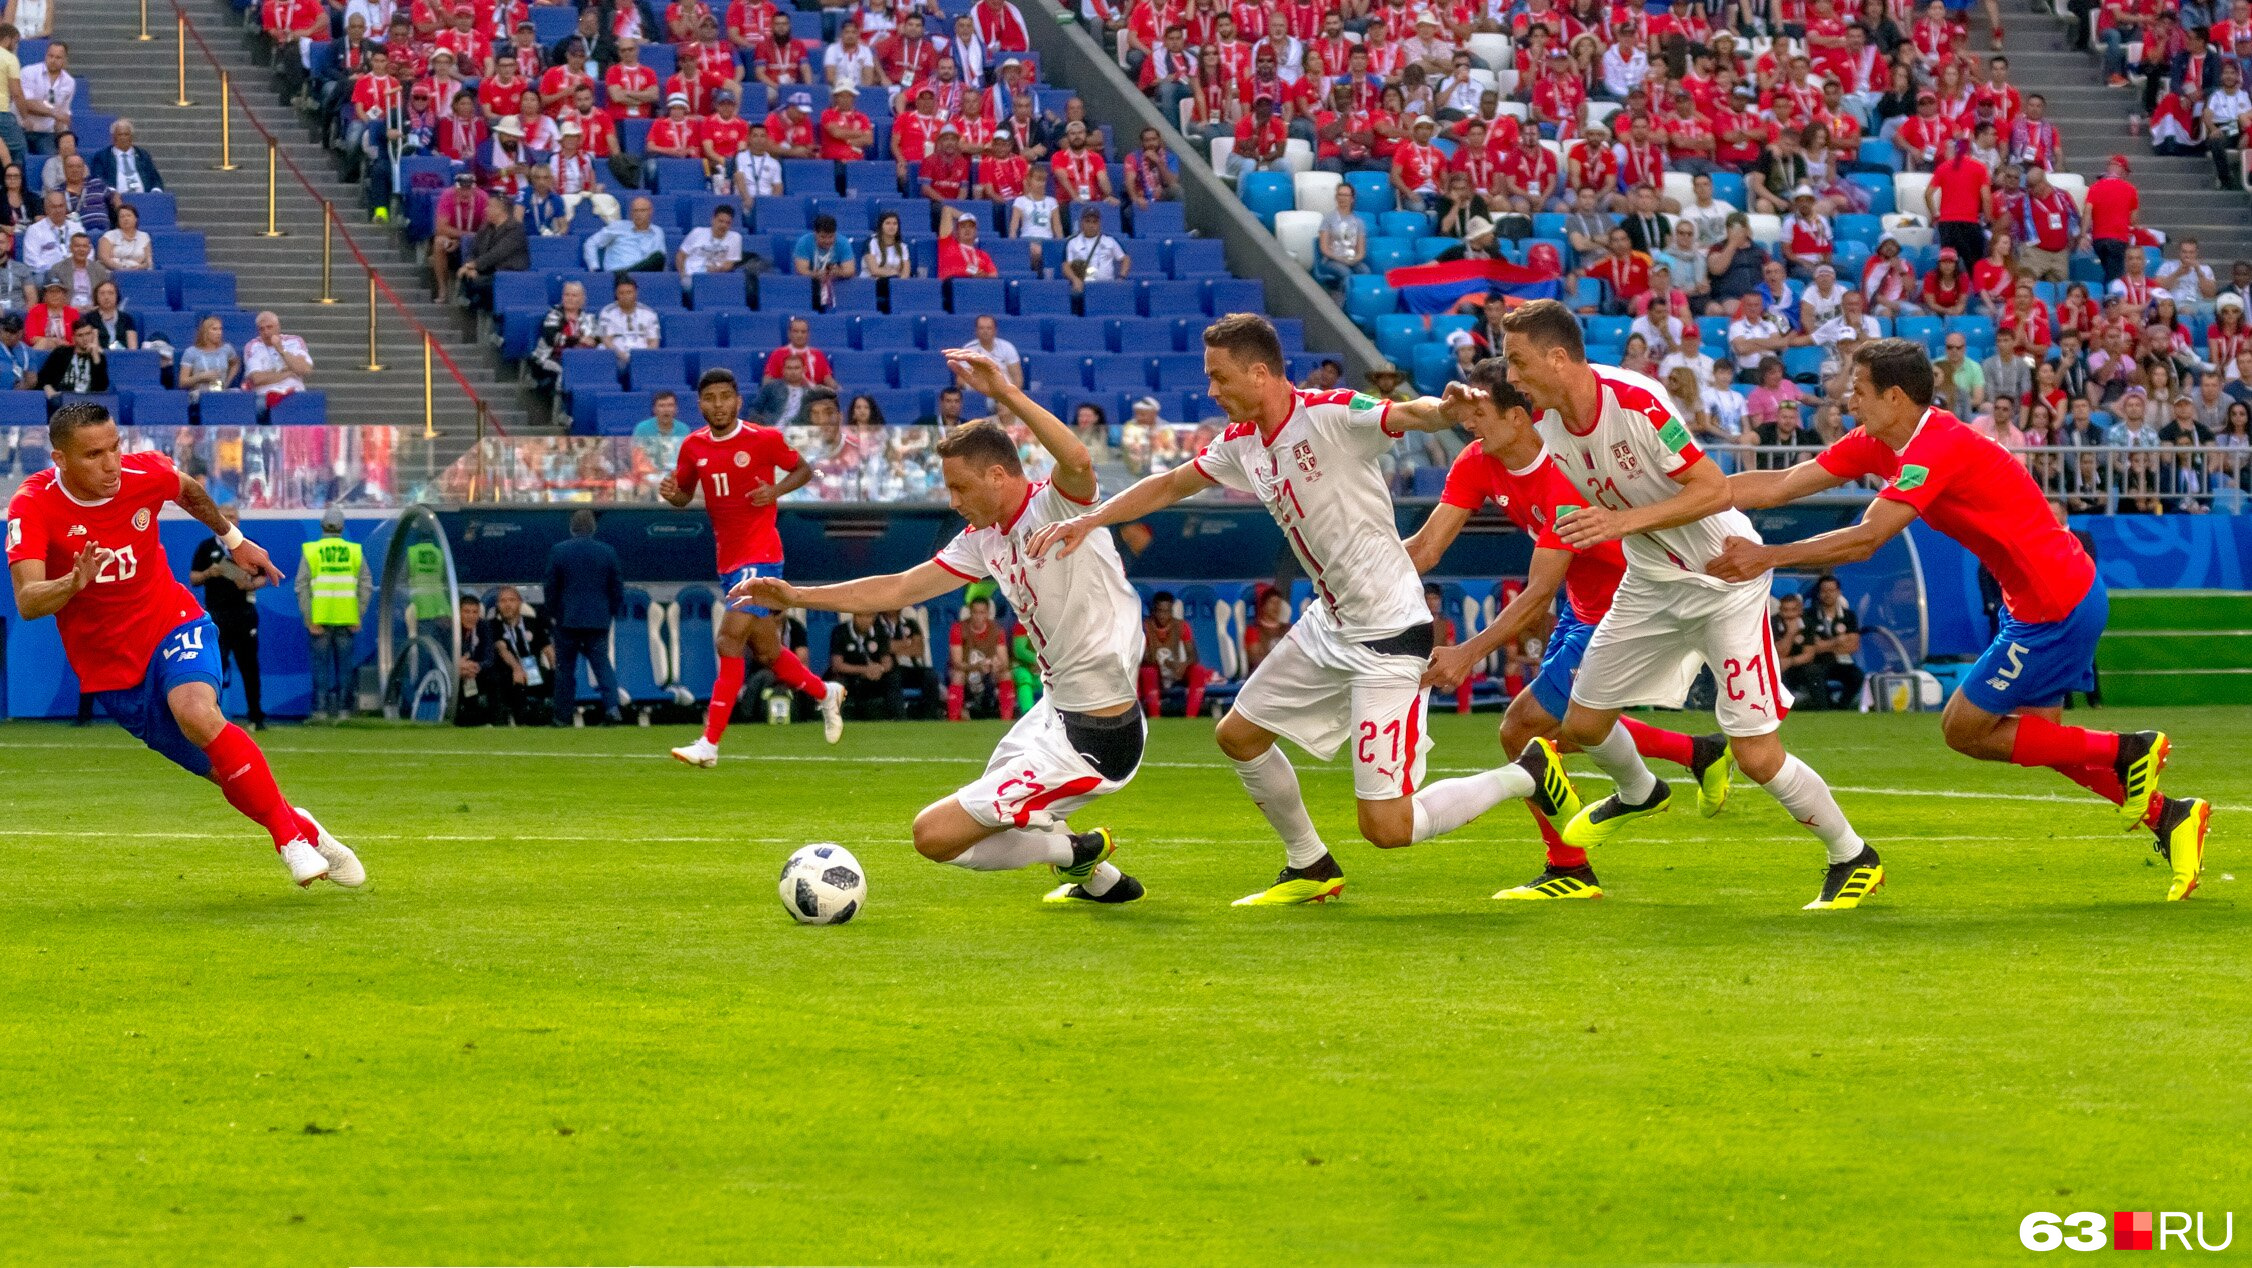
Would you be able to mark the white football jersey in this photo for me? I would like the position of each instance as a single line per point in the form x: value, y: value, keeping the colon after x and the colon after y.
x: 1084, y: 619
x: 1318, y: 476
x: 1629, y: 459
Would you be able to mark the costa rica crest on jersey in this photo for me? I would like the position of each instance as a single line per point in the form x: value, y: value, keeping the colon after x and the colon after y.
x: 1623, y: 454
x: 742, y: 459
x: 141, y: 520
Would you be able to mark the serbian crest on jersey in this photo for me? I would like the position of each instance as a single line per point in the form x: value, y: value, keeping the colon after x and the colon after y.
x: 1622, y: 453
x: 1303, y: 451
x: 141, y: 520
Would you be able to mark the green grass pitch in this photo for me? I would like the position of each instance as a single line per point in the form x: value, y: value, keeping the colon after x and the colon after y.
x: 569, y: 1022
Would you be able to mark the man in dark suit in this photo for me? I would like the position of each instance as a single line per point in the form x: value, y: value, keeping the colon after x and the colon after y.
x: 1646, y: 229
x: 586, y: 592
x: 123, y: 168
x: 517, y: 660
x: 476, y: 651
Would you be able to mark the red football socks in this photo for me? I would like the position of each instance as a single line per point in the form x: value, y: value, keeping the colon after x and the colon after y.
x: 2041, y: 742
x: 1198, y: 676
x: 728, y: 686
x: 1650, y: 741
x: 1147, y: 680
x: 1559, y: 854
x: 240, y: 770
x: 954, y: 695
x: 793, y: 674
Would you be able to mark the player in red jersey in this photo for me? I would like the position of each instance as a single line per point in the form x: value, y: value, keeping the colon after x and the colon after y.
x: 83, y: 547
x: 1508, y: 467
x: 1966, y: 486
x: 743, y: 469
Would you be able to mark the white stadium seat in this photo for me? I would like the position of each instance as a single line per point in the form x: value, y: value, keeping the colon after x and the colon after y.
x: 1297, y: 156
x: 1681, y: 187
x: 1912, y: 231
x: 1297, y: 231
x: 1222, y: 148
x: 2072, y: 183
x: 1908, y: 191
x: 1317, y: 191
x: 1766, y: 229
x: 1490, y: 48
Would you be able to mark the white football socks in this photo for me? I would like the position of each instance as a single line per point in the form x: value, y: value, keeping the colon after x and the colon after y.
x: 1450, y: 803
x: 1273, y: 787
x: 1104, y: 877
x: 1616, y: 756
x: 1018, y: 847
x: 1803, y: 793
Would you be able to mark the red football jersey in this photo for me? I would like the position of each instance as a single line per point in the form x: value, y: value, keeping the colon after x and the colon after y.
x: 727, y: 471
x: 110, y: 628
x: 1534, y: 500
x: 1976, y: 492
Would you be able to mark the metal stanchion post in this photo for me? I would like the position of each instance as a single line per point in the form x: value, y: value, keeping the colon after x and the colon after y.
x: 429, y: 394
x: 183, y: 102
x: 273, y: 173
x: 144, y: 37
x: 226, y: 126
x: 328, y: 250
x: 373, y: 366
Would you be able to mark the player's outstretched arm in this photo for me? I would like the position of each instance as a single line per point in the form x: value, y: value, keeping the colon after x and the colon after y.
x: 1757, y: 490
x: 1074, y: 476
x: 1741, y: 560
x: 1149, y: 494
x: 37, y: 596
x: 1703, y: 492
x: 1450, y: 665
x: 869, y: 594
x: 248, y: 555
x: 1430, y: 542
x: 1432, y: 413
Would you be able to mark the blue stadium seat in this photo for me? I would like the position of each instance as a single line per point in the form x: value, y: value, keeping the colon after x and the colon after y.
x: 146, y: 290
x: 858, y: 371
x: 900, y: 406
x: 874, y: 333
x: 1235, y: 295
x: 974, y: 295
x: 616, y: 413
x: 1290, y: 330
x: 204, y: 292
x: 551, y: 255
x: 1161, y: 220
x: 222, y: 409
x: 135, y: 368
x: 924, y: 370
x: 1264, y: 194
x: 1880, y: 191
x: 178, y: 248
x: 1050, y: 370
x: 1404, y: 224
x: 1804, y: 364
x: 871, y: 179
x: 1429, y: 363
x: 1159, y: 333
x: 851, y: 215
x: 1880, y: 152
x: 783, y: 213
x: 809, y: 176
x: 1598, y: 329
x: 157, y: 208
x: 1367, y: 296
x: 1431, y: 248
x: 300, y: 409
x: 854, y: 295
x: 914, y: 213
x: 952, y: 330
x: 1850, y: 257
x: 1713, y: 334
x: 1112, y: 225
x: 588, y: 369
x: 746, y: 364
x: 1027, y: 298
x: 1109, y: 299
x: 1180, y: 371
x: 680, y: 176
x: 154, y: 406
x: 1859, y: 228
x: 1013, y: 256
x: 1086, y: 338
x: 650, y: 368
x: 1172, y: 299
x: 913, y: 295
x: 1549, y: 224
x: 1119, y: 373
x: 1386, y: 254
x: 1728, y: 187
x: 782, y: 292
x: 716, y: 292
x: 1373, y: 192
x: 1975, y: 330
x: 1196, y: 257
x: 759, y: 331
x: 1929, y: 331
x: 660, y: 291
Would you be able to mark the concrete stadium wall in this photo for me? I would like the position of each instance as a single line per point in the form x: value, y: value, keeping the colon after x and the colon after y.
x: 1071, y: 56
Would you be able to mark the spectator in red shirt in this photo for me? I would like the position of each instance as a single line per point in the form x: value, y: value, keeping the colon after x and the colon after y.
x: 560, y: 85
x: 845, y: 132
x: 791, y: 128
x: 629, y: 86
x: 945, y: 174
x: 1947, y: 289
x: 959, y: 255
x: 2112, y: 203
x: 800, y: 345
x: 677, y: 135
x: 1079, y: 172
x: 1418, y: 166
x: 1961, y: 198
x: 1625, y: 270
x: 1260, y: 138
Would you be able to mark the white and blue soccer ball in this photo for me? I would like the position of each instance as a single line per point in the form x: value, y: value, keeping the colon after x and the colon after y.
x: 823, y: 884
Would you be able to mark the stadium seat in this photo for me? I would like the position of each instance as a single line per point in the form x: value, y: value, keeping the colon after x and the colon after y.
x: 908, y: 296
x: 1368, y: 296
x: 856, y: 369
x: 780, y: 292
x: 1397, y: 335
x: 1316, y: 191
x: 299, y: 409
x: 1170, y: 298
x: 710, y: 292
x: 1373, y: 192
x: 650, y: 368
x: 151, y: 406
x: 224, y: 409
x: 1405, y: 224
x: 853, y: 295
x: 1804, y: 364
x: 976, y: 295
x: 1265, y: 193
x: 877, y: 333
x: 1881, y: 201
x: 760, y: 332
x: 1297, y: 232
x: 1110, y: 299
x: 923, y: 370
x: 1929, y: 331
x: 1235, y: 295
x: 1196, y: 257
x: 1429, y: 364
x: 1161, y: 220
x: 1085, y: 338
x: 1134, y: 333
x: 1431, y: 248
x: 135, y: 368
x: 1030, y: 298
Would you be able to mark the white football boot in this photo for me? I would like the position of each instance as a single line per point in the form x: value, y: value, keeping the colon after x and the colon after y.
x: 702, y: 753
x: 344, y: 867
x: 305, y: 863
x: 832, y: 712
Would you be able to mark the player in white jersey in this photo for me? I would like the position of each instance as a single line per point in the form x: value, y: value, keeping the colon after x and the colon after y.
x: 1351, y: 670
x: 1084, y: 739
x: 1618, y: 436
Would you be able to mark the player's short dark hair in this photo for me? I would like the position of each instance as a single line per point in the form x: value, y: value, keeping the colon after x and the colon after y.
x: 66, y: 421
x: 1249, y: 338
x: 1162, y: 596
x: 1548, y: 324
x: 1897, y: 363
x: 1491, y: 376
x: 982, y: 444
x: 713, y: 378
x: 820, y: 396
x: 582, y: 523
x: 824, y: 224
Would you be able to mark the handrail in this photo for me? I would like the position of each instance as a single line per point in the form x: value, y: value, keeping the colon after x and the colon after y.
x: 485, y: 415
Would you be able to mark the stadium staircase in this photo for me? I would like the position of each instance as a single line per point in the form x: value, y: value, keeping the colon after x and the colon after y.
x: 2177, y: 647
x: 2178, y: 194
x: 136, y: 80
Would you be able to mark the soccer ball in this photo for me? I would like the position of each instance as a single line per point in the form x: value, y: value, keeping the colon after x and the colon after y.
x: 823, y: 884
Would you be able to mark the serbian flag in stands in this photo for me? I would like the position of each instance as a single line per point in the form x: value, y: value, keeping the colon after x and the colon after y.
x: 1438, y: 287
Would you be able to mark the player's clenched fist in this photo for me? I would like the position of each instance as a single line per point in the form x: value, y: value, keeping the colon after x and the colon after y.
x: 669, y: 489
x: 1065, y: 533
x: 1449, y: 667
x: 765, y: 592
x: 1739, y: 560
